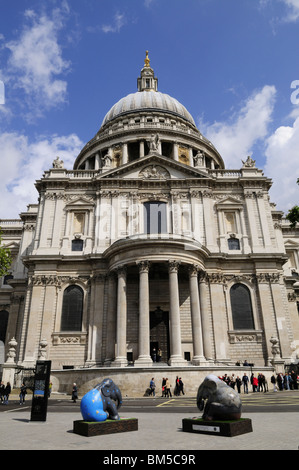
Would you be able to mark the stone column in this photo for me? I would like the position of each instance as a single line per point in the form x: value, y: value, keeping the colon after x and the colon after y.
x: 121, y: 320
x: 97, y: 161
x: 204, y: 307
x: 175, y: 151
x: 175, y: 326
x: 141, y: 148
x: 111, y: 320
x: 144, y: 358
x: 195, y: 316
x: 125, y: 154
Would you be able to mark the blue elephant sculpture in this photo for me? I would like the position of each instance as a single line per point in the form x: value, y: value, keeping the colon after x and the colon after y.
x: 102, y: 402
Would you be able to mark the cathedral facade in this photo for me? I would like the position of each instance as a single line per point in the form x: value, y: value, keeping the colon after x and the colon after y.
x: 148, y: 250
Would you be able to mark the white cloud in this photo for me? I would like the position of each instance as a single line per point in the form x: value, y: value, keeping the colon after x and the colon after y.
x: 282, y: 152
x: 23, y: 162
x: 235, y: 139
x: 36, y: 61
x: 293, y: 13
x: 119, y: 21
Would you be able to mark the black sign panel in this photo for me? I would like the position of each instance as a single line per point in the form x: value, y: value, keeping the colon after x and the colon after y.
x: 40, y: 391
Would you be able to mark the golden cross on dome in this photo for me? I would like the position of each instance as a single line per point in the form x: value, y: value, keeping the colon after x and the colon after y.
x: 146, y: 60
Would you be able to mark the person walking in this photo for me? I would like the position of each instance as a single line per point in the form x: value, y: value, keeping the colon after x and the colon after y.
x: 167, y: 386
x: 273, y: 382
x: 163, y: 387
x: 74, y: 393
x: 177, y: 386
x: 245, y: 382
x: 279, y: 382
x: 2, y: 388
x: 159, y: 355
x: 152, y: 387
x: 181, y: 386
x: 254, y: 383
x: 238, y: 383
x: 294, y: 380
x: 232, y: 381
x: 7, y: 392
x: 23, y: 393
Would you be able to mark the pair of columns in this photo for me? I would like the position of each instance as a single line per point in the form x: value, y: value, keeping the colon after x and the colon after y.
x: 144, y: 358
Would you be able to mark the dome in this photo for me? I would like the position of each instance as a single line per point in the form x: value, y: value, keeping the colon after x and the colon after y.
x: 148, y: 101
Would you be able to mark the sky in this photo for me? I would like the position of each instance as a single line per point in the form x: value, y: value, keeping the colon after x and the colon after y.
x: 234, y: 65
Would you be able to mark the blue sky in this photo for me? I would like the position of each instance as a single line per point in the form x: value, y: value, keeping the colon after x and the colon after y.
x: 231, y: 63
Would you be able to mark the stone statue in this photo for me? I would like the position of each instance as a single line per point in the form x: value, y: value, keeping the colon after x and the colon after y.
x: 57, y: 163
x: 106, y: 161
x: 199, y: 159
x: 154, y: 143
x: 102, y: 402
x: 249, y: 163
x: 223, y: 402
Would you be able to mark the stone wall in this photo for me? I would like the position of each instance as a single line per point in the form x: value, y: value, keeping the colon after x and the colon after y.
x: 134, y: 381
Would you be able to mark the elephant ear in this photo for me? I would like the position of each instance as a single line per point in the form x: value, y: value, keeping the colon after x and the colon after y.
x: 106, y: 390
x: 211, y: 386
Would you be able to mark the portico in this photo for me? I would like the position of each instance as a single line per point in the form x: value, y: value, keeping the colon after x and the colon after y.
x: 158, y: 287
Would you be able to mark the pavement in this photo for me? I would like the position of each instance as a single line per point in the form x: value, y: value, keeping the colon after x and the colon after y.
x: 157, y: 432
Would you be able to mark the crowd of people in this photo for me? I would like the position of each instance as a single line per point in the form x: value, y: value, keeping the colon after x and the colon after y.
x: 5, y: 391
x: 243, y: 384
x: 166, y: 387
x: 259, y: 383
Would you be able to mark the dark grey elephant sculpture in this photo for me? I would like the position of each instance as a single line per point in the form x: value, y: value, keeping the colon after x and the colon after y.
x: 218, y: 400
x: 102, y: 402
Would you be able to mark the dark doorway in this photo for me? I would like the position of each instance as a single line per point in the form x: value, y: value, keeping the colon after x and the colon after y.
x: 159, y: 333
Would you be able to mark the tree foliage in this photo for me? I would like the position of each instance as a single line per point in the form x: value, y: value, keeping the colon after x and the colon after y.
x: 293, y: 214
x: 5, y: 258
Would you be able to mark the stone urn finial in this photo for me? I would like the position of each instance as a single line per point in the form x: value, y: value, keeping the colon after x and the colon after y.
x: 12, y: 351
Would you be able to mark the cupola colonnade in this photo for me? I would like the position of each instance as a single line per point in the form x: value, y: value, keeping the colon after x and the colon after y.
x: 113, y: 156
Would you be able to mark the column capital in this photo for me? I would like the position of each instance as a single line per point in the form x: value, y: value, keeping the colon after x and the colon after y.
x: 193, y: 269
x: 173, y: 266
x: 143, y: 266
x: 121, y: 270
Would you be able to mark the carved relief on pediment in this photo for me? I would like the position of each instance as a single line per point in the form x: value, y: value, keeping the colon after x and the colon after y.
x: 154, y: 172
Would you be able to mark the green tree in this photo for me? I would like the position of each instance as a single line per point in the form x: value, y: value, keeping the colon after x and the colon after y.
x: 5, y: 258
x: 293, y: 214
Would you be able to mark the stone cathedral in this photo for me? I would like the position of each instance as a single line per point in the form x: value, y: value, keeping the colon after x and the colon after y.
x: 150, y: 251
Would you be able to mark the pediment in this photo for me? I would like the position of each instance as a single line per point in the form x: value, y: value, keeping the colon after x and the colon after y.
x: 154, y: 167
x: 290, y: 244
x: 229, y: 202
x: 79, y: 203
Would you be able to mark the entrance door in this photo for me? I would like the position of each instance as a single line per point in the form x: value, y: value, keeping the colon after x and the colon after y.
x: 159, y: 333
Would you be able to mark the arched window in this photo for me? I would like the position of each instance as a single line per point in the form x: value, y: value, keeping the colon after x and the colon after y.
x: 72, y: 309
x: 241, y: 307
x: 155, y: 217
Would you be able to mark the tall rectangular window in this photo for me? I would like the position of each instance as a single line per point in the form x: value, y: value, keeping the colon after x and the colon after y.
x: 155, y: 219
